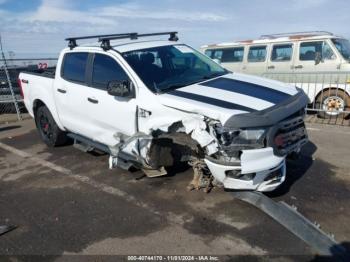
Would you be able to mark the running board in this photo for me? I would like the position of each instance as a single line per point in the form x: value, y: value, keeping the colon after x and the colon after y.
x: 296, y: 223
x: 87, y: 145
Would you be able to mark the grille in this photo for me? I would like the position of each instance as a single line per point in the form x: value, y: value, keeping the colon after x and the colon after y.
x: 290, y: 136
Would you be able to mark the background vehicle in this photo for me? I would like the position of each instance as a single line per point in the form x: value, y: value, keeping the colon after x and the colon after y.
x: 151, y: 104
x: 317, y: 62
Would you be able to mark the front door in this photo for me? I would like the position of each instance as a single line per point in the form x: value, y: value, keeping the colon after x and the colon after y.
x: 316, y: 56
x: 108, y: 115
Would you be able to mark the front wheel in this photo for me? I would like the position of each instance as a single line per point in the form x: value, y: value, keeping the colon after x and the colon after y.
x: 332, y: 103
x: 49, y: 132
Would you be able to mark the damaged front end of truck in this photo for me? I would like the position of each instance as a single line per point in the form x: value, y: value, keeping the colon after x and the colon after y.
x: 247, y: 152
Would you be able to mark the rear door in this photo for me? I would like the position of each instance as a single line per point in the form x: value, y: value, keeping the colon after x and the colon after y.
x: 281, y: 58
x: 69, y: 91
x: 230, y: 58
x: 107, y: 115
x: 256, y: 60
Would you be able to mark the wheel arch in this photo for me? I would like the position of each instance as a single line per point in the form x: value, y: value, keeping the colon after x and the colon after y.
x: 39, y: 103
x: 331, y: 88
x: 36, y: 104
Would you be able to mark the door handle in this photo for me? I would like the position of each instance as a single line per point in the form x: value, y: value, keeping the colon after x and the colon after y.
x: 61, y: 91
x: 271, y: 67
x: 298, y: 67
x: 91, y: 100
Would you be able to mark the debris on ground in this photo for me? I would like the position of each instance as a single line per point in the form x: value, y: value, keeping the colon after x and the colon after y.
x: 5, y: 229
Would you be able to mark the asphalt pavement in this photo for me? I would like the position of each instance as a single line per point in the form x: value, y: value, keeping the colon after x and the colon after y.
x: 66, y: 202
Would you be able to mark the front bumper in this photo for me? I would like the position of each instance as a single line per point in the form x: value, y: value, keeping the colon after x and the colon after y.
x: 266, y: 170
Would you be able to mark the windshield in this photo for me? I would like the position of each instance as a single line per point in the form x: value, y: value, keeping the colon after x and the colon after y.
x: 343, y: 46
x: 170, y: 67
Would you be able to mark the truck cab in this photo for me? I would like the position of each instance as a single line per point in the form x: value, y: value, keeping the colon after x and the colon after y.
x: 151, y: 104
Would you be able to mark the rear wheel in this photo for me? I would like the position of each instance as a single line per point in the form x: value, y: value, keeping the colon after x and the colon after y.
x: 332, y: 103
x: 49, y: 132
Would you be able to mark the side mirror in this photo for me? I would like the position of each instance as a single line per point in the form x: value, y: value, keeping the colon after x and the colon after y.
x: 120, y: 88
x: 318, y: 58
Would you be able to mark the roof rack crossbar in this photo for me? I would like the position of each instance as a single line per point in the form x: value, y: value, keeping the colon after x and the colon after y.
x: 72, y: 41
x: 105, y: 40
x: 269, y: 36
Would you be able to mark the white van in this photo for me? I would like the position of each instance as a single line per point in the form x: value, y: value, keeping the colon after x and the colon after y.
x: 318, y: 62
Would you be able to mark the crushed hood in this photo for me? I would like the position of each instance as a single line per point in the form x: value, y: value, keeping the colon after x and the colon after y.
x: 229, y: 95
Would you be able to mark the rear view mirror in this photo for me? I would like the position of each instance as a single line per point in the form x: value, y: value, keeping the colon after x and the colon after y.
x: 120, y: 88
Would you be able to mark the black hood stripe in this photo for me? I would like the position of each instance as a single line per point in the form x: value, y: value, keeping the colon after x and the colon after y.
x: 210, y: 100
x: 249, y: 89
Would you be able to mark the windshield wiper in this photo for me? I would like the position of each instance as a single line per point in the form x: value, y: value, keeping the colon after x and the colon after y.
x: 179, y: 85
x: 170, y: 87
x: 214, y: 75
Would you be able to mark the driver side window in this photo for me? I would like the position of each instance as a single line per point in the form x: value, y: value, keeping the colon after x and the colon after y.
x: 106, y: 69
x: 309, y: 50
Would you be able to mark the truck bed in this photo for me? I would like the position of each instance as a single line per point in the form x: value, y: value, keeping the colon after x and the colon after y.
x: 49, y: 72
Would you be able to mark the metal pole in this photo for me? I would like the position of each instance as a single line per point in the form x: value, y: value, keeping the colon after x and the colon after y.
x: 9, y: 82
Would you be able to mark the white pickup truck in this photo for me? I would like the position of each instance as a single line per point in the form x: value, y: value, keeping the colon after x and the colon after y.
x: 150, y: 104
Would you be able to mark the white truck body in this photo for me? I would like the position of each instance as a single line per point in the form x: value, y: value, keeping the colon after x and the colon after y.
x: 133, y: 125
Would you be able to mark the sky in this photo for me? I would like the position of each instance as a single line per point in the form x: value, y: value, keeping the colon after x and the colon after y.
x: 40, y: 26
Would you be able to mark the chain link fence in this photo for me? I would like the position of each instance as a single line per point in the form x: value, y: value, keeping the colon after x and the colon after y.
x: 11, y: 103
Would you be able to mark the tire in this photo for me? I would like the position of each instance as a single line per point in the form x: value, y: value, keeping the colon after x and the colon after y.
x: 333, y: 103
x: 48, y: 130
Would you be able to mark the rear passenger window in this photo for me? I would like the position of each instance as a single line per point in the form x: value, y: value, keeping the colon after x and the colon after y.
x: 282, y: 53
x: 257, y: 54
x: 74, y: 65
x: 226, y: 55
x: 106, y: 69
x: 217, y: 54
x: 232, y: 54
x: 208, y: 52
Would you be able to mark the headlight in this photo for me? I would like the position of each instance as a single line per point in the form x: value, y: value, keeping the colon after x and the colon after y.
x: 243, y: 138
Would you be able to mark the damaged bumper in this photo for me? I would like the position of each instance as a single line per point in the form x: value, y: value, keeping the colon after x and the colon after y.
x: 259, y: 169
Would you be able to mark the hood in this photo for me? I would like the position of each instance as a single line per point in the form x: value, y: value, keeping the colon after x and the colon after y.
x: 229, y: 95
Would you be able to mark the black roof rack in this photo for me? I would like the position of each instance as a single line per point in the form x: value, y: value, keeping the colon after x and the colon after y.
x: 105, y: 39
x: 72, y: 41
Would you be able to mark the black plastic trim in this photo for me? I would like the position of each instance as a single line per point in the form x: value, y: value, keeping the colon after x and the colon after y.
x: 270, y: 116
x: 104, y: 148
